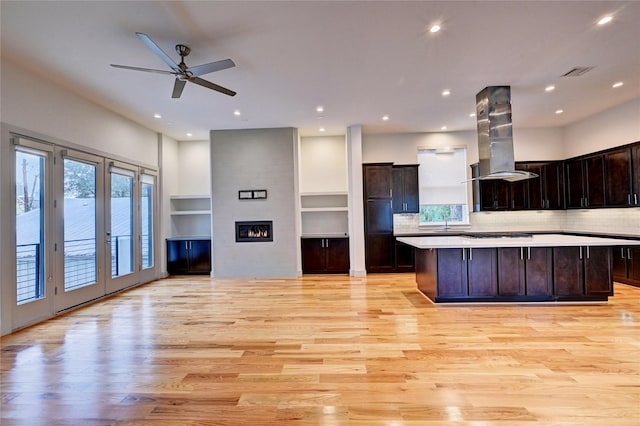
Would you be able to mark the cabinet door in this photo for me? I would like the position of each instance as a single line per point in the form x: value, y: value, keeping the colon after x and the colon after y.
x: 379, y: 216
x: 594, y: 179
x: 380, y: 252
x: 511, y: 277
x: 337, y: 255
x: 452, y: 273
x: 536, y: 187
x: 177, y: 257
x: 597, y: 271
x: 568, y: 273
x: 377, y: 180
x: 411, y: 190
x: 487, y: 195
x: 554, y: 186
x: 633, y: 265
x: 619, y: 263
x: 520, y: 191
x: 199, y: 256
x: 539, y: 271
x: 312, y: 255
x: 574, y: 184
x: 635, y: 159
x: 405, y: 258
x: 482, y: 264
x: 398, y: 190
x: 618, y: 178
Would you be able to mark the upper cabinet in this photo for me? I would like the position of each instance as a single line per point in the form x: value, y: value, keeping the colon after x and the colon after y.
x: 405, y: 189
x: 606, y: 179
x: 546, y: 192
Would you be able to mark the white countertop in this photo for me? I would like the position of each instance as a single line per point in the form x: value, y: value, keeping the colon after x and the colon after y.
x: 542, y: 240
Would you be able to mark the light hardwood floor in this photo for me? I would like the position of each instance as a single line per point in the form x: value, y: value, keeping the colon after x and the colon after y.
x: 323, y: 350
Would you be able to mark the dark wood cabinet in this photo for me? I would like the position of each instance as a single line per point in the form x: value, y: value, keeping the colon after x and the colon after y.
x: 377, y: 180
x: 525, y: 271
x: 188, y: 256
x: 618, y: 178
x: 380, y: 253
x: 581, y: 272
x: 635, y: 171
x: 546, y: 192
x: 405, y: 258
x: 405, y: 196
x: 452, y: 275
x: 482, y: 270
x: 325, y: 255
x: 495, y: 194
x: 585, y: 179
x: 626, y: 265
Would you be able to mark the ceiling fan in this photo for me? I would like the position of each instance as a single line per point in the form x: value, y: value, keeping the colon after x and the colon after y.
x: 181, y: 71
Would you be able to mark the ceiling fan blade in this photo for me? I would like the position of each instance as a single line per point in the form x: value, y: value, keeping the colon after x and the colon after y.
x: 211, y: 67
x: 150, y: 43
x: 143, y: 69
x: 178, y: 87
x: 209, y: 85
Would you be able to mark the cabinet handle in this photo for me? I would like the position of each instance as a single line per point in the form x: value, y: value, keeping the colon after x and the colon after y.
x: 470, y: 253
x: 513, y: 204
x: 635, y: 199
x: 580, y: 252
x: 326, y: 243
x: 528, y: 253
x: 629, y: 254
x: 629, y: 199
x: 622, y: 253
x: 587, y: 252
x: 521, y: 253
x: 463, y: 254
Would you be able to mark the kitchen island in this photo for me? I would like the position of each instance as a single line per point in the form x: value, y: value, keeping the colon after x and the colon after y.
x: 514, y: 267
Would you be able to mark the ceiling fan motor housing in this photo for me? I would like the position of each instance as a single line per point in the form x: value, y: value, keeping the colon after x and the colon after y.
x: 183, y: 50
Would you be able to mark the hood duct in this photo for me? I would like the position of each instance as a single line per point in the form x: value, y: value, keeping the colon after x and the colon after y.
x: 495, y: 135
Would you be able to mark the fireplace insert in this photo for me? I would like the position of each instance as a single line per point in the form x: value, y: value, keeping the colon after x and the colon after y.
x: 254, y: 231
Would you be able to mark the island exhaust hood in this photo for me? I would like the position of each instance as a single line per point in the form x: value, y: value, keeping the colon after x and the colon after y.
x: 495, y: 136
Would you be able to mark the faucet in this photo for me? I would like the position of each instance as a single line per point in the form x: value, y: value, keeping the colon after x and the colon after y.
x: 446, y: 225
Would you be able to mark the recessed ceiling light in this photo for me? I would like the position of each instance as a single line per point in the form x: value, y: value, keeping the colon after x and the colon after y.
x: 559, y: 111
x: 189, y: 134
x: 443, y: 128
x: 473, y: 114
x: 236, y: 112
x: 434, y: 29
x: 319, y: 108
x: 618, y: 84
x: 605, y: 20
x: 157, y: 116
x: 446, y: 92
x: 321, y: 129
x: 550, y: 88
x: 385, y: 117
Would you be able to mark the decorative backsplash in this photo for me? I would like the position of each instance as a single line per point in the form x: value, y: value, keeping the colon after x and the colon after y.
x: 615, y: 221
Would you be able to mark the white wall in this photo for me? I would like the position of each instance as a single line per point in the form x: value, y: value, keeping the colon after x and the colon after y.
x: 614, y: 127
x: 32, y: 102
x: 323, y: 164
x: 254, y: 159
x: 194, y: 177
x: 169, y: 177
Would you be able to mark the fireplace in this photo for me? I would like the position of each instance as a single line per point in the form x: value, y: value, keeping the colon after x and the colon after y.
x: 254, y: 231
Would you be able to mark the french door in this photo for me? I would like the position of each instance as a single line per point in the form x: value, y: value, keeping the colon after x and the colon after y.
x: 85, y: 226
x: 121, y: 229
x: 32, y: 292
x: 80, y: 242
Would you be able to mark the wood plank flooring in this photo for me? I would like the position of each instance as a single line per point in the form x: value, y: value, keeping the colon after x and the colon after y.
x: 323, y: 350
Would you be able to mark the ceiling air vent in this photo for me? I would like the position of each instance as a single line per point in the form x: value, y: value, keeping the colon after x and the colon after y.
x: 577, y: 71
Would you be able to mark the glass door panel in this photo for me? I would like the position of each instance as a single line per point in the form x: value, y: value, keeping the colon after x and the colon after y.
x: 33, y: 248
x: 148, y: 226
x: 121, y: 230
x: 81, y: 260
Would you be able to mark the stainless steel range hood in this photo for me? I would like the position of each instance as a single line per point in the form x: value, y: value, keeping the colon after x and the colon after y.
x: 495, y: 135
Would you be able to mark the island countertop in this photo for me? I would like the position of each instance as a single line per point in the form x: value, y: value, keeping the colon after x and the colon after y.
x: 534, y: 240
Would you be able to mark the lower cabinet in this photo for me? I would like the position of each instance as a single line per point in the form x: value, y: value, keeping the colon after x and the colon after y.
x: 626, y: 265
x: 188, y: 256
x: 405, y: 258
x: 582, y: 272
x: 325, y: 255
x: 515, y: 273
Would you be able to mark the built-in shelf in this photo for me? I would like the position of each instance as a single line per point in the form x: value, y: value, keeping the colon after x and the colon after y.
x: 191, y: 215
x: 324, y: 213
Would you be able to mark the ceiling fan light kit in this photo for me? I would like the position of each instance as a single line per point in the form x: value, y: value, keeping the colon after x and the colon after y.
x: 181, y: 71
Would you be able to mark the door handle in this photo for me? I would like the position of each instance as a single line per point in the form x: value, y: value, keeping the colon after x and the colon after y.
x: 622, y: 253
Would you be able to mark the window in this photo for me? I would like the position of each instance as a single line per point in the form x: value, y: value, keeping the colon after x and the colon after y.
x: 443, y: 186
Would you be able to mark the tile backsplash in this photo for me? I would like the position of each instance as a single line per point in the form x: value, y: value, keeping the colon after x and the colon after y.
x: 613, y: 221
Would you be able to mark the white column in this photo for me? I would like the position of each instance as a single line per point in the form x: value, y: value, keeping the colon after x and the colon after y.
x: 356, y: 206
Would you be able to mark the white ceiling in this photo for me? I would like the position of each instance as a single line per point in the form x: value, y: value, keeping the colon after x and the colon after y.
x: 360, y: 60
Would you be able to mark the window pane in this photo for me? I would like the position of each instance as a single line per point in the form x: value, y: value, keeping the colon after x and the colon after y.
x: 121, y: 225
x: 80, y: 261
x: 146, y: 204
x: 29, y: 227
